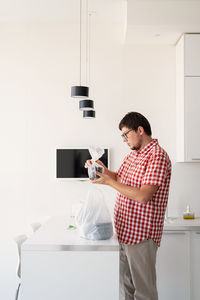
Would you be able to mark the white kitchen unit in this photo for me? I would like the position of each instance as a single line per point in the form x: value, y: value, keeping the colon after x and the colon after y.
x: 58, y: 264
x: 188, y: 98
x: 191, y: 51
x: 178, y: 260
x: 173, y: 274
x: 195, y: 265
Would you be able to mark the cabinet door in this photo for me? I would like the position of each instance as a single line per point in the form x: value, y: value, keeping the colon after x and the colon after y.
x: 192, y: 55
x: 195, y: 265
x: 172, y: 266
x: 192, y: 118
x: 70, y: 275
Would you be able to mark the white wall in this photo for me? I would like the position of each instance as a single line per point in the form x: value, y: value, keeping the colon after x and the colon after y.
x: 149, y: 87
x: 39, y: 64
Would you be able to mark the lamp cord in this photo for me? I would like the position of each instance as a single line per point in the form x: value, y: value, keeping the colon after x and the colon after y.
x: 89, y: 47
x: 90, y: 13
x: 80, y: 36
x: 86, y: 66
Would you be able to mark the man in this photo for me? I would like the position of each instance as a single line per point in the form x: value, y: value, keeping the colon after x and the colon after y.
x: 142, y: 182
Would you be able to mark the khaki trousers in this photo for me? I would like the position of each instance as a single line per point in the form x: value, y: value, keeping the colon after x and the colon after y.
x: 138, y: 271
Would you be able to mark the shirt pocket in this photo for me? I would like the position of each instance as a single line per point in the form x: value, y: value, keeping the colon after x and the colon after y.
x: 136, y: 174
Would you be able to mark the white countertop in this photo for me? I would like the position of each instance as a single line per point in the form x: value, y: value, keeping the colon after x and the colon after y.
x: 54, y: 236
x: 182, y: 224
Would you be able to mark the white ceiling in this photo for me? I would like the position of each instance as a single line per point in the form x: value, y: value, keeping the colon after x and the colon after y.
x: 148, y: 21
x: 38, y: 10
x: 161, y: 21
x: 58, y: 10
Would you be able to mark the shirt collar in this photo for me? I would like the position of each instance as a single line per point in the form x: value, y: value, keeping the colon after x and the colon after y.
x: 148, y: 147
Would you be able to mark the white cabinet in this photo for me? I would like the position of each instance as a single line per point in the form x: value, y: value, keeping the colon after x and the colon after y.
x: 191, y: 54
x: 188, y: 98
x: 173, y: 266
x: 178, y: 265
x: 57, y: 264
x: 192, y: 118
x: 195, y: 265
x: 73, y: 275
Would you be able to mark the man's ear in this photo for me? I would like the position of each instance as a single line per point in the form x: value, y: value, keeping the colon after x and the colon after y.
x: 140, y: 130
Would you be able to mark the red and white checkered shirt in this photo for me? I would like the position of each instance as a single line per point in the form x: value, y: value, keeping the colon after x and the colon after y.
x: 134, y: 221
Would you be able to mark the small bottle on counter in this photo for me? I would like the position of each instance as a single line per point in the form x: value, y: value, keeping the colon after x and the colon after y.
x: 188, y: 214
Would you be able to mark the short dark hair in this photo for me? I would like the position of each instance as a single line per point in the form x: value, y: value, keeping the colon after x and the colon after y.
x: 133, y: 120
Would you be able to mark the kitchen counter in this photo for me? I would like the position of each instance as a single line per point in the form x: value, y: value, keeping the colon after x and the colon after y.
x: 58, y: 264
x: 55, y: 236
x: 182, y: 224
x: 55, y: 259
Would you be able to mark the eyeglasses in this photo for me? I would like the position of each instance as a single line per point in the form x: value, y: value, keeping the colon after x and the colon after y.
x: 125, y: 135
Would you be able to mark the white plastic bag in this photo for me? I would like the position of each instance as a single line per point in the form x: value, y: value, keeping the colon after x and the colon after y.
x: 96, y: 153
x: 93, y: 219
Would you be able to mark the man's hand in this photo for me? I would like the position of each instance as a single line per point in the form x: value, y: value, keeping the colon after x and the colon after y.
x: 107, y: 172
x: 89, y: 163
x: 104, y: 179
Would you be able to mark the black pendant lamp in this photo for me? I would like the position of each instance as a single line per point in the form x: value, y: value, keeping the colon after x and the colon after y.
x: 79, y: 91
x: 86, y: 104
x: 88, y: 114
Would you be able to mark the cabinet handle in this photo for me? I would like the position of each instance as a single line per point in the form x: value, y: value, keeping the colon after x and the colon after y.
x: 195, y: 158
x: 173, y: 232
x: 197, y: 232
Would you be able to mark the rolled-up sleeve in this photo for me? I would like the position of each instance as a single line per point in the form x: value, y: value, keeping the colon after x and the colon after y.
x: 156, y: 170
